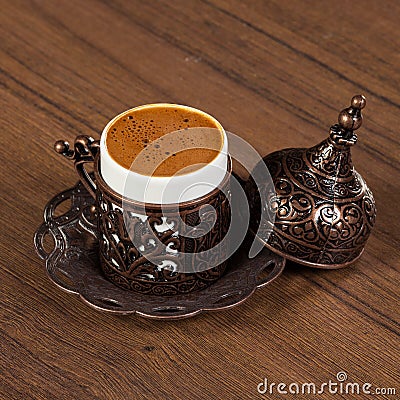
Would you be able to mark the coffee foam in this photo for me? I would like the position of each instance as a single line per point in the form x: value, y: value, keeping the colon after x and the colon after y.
x: 164, y: 140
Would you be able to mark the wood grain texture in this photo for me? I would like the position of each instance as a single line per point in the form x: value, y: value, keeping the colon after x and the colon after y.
x: 274, y: 72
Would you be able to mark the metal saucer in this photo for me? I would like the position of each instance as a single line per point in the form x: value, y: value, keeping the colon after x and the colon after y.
x: 73, y: 265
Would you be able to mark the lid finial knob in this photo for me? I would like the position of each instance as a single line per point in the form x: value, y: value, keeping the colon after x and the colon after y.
x: 350, y: 118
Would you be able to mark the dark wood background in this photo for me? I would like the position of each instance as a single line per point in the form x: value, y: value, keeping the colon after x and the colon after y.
x: 275, y: 72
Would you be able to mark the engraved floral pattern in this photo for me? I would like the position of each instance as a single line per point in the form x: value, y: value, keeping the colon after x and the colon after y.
x: 324, y: 210
x: 127, y: 264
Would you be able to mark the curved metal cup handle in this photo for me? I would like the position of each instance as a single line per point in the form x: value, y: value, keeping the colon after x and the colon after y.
x: 85, y: 151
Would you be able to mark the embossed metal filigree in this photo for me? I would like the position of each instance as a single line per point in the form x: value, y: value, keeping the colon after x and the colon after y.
x: 128, y: 265
x: 323, y: 207
x: 151, y: 266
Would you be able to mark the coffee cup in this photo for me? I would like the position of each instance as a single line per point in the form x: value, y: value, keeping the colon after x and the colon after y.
x: 161, y: 184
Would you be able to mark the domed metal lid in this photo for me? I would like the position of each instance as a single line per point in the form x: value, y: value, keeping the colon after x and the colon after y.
x: 322, y: 209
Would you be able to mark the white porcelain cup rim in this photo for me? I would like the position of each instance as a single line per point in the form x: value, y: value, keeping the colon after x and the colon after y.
x: 163, y: 190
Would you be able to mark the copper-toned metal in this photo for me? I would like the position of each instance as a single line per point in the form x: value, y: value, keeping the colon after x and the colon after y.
x: 324, y: 210
x: 132, y: 266
x: 74, y: 265
x: 85, y: 151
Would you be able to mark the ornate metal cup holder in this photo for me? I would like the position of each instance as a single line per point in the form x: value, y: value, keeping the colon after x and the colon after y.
x: 73, y: 265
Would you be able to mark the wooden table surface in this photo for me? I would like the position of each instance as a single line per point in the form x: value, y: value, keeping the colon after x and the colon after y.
x: 274, y: 72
